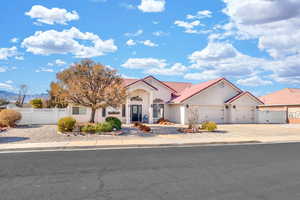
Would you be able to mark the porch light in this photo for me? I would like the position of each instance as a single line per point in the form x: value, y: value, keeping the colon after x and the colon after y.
x: 226, y: 106
x: 187, y: 106
x: 234, y: 107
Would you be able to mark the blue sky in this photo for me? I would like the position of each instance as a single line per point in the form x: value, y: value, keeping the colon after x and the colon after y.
x: 253, y: 43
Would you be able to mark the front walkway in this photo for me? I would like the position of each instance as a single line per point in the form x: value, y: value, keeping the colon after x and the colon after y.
x: 47, y: 137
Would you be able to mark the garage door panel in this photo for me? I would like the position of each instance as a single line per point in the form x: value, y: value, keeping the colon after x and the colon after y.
x: 215, y: 114
x: 244, y: 115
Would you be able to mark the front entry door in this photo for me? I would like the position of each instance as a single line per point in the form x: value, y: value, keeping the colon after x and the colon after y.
x: 136, y: 113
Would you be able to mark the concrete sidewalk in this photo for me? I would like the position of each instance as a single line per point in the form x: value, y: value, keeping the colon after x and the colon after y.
x: 160, y: 140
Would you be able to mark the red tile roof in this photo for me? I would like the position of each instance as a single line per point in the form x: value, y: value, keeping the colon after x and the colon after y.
x: 287, y: 96
x: 195, y: 89
x: 142, y: 80
x: 175, y: 86
x: 242, y: 94
x: 184, y: 90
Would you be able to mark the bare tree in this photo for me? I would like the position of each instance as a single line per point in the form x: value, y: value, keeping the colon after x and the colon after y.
x: 193, y: 118
x: 22, y: 94
x: 92, y: 85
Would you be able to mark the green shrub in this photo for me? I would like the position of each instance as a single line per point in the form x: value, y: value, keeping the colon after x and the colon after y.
x: 89, y: 128
x: 104, y: 127
x: 210, y: 126
x: 97, y: 128
x: 36, y: 103
x: 115, y: 122
x: 204, y: 125
x: 9, y: 118
x: 66, y: 124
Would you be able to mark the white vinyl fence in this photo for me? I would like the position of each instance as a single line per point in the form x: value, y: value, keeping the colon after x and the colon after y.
x: 41, y: 116
x: 271, y: 117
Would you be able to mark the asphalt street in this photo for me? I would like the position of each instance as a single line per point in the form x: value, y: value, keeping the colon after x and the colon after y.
x: 211, y: 173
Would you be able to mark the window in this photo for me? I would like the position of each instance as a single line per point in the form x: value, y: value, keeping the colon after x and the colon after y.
x: 103, y: 112
x: 78, y: 110
x: 158, y: 110
x: 123, y: 110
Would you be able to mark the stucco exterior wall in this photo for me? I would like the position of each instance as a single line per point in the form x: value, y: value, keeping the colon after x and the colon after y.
x: 244, y: 111
x: 294, y: 114
x: 145, y: 103
x: 215, y: 95
x: 173, y: 113
x: 162, y: 92
x: 292, y: 111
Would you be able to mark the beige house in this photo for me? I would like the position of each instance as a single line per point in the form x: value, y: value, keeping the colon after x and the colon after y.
x: 150, y: 99
x: 287, y: 100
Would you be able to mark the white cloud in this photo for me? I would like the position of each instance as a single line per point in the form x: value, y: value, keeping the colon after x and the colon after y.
x: 152, y: 5
x: 286, y: 70
x: 9, y: 81
x: 176, y: 69
x: 14, y: 40
x: 200, y: 14
x: 149, y: 43
x: 254, y: 81
x: 3, y: 69
x: 222, y: 59
x: 130, y: 42
x: 128, y: 6
x: 5, y: 53
x: 6, y: 86
x: 57, y: 62
x: 276, y: 26
x: 205, y: 75
x: 189, y: 27
x: 135, y: 34
x: 128, y: 77
x: 214, y: 51
x: 43, y: 69
x: 19, y: 57
x: 52, y: 16
x: 144, y: 63
x: 98, y: 1
x: 67, y: 41
x: 274, y: 23
x: 160, y: 33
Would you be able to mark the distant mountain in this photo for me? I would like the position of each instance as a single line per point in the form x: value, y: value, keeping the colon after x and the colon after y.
x: 11, y: 96
x: 8, y: 95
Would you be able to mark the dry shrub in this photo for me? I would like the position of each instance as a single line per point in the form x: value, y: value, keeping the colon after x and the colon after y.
x: 163, y: 121
x: 9, y: 118
x: 137, y: 124
x: 144, y: 128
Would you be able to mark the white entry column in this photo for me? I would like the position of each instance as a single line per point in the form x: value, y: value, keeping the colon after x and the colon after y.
x: 151, y: 108
x: 182, y: 114
x: 127, y: 109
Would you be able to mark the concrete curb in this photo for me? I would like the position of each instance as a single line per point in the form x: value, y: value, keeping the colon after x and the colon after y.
x: 93, y: 147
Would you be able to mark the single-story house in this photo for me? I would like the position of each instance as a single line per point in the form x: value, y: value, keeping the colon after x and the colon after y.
x: 287, y: 99
x: 149, y: 99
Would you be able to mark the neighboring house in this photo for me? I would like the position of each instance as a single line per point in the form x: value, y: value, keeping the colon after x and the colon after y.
x: 287, y: 100
x: 150, y: 99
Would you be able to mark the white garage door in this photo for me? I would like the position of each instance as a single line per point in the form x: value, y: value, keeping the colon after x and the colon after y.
x: 244, y: 115
x: 215, y: 114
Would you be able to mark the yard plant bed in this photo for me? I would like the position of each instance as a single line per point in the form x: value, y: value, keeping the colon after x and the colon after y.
x: 113, y: 133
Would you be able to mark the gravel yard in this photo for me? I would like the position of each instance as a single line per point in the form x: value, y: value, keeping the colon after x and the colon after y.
x: 48, y: 133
